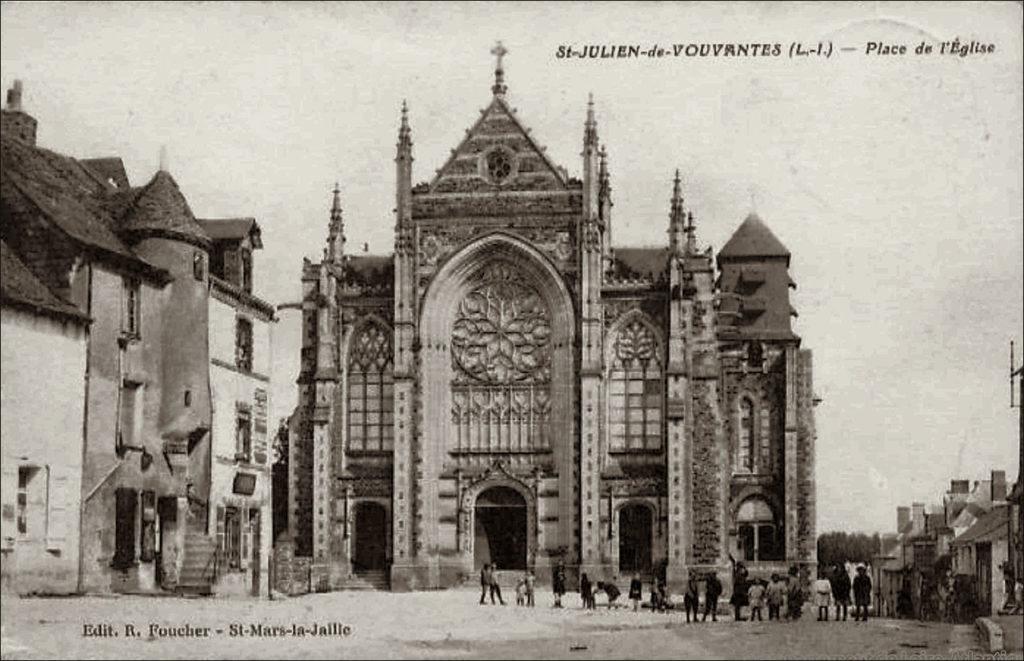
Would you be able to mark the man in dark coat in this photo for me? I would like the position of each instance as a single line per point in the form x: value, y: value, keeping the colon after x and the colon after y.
x: 691, y: 599
x: 636, y: 589
x: 861, y: 593
x: 495, y: 587
x: 841, y: 590
x: 585, y: 592
x: 712, y: 591
x: 558, y: 583
x: 739, y: 590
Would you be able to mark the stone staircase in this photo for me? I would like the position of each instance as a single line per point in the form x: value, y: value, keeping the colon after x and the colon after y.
x: 367, y: 580
x: 199, y: 566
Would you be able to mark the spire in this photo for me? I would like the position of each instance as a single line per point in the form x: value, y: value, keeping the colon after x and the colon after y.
x: 590, y: 127
x: 499, y: 88
x: 676, y: 216
x: 602, y: 170
x: 404, y: 132
x: 14, y: 97
x: 336, y: 229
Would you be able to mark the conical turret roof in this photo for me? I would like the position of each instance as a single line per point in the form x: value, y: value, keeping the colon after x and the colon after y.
x: 160, y: 208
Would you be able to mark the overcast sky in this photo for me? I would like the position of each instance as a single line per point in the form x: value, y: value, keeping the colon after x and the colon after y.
x: 896, y: 182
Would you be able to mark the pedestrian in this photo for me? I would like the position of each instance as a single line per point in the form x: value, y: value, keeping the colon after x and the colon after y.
x: 755, y: 595
x: 531, y: 580
x: 636, y: 591
x: 712, y: 591
x: 558, y: 583
x: 485, y: 583
x: 774, y: 596
x: 822, y: 598
x: 521, y: 591
x: 585, y: 594
x: 612, y: 591
x: 739, y: 590
x: 861, y: 593
x: 840, y: 582
x: 795, y: 598
x: 691, y: 598
x: 495, y: 587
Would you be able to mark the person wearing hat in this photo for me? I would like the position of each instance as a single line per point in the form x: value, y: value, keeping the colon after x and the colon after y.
x: 861, y: 594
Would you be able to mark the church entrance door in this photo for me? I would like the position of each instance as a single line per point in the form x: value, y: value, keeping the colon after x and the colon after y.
x: 500, y: 529
x: 370, y: 538
x: 635, y: 532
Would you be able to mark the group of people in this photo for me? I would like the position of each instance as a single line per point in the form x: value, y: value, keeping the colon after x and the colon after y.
x: 782, y: 596
x: 836, y: 588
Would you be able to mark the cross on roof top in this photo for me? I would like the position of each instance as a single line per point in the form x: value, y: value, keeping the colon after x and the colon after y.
x: 499, y: 51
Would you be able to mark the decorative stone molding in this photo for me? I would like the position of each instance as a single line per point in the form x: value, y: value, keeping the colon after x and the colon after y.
x: 497, y: 475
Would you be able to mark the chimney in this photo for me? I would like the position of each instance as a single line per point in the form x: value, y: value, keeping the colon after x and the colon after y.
x: 16, y: 122
x: 998, y: 486
x: 918, y: 509
x: 902, y: 517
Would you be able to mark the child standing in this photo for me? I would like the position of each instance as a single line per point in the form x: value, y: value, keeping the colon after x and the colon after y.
x: 530, y: 581
x: 636, y: 591
x: 756, y: 596
x: 521, y: 591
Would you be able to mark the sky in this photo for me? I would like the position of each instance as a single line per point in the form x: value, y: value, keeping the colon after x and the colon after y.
x: 895, y: 181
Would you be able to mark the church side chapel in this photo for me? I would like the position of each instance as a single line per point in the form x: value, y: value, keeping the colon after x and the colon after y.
x: 511, y: 387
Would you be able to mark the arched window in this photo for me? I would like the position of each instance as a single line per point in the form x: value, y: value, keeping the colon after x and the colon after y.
x: 635, y: 390
x: 370, y: 395
x: 746, y: 438
x: 758, y: 534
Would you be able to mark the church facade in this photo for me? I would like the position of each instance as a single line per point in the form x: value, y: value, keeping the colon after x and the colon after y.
x: 512, y: 387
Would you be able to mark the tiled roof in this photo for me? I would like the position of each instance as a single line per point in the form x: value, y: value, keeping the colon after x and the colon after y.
x: 632, y: 263
x: 19, y: 287
x: 220, y: 229
x: 161, y: 209
x: 753, y: 239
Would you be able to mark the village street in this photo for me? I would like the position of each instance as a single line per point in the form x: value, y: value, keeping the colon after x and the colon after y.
x: 446, y: 624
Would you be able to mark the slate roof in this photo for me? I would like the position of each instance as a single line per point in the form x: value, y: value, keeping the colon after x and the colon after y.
x: 226, y: 229
x: 160, y: 208
x: 632, y: 263
x: 370, y: 270
x: 987, y: 528
x: 19, y: 287
x: 108, y: 169
x: 753, y: 239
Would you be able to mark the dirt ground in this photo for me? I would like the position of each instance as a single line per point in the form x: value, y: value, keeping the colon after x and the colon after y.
x: 448, y: 624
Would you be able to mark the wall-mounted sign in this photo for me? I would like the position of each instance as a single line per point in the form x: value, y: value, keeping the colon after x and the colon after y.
x: 244, y: 484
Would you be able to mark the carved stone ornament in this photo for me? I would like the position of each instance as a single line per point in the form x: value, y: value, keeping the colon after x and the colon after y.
x: 502, y: 330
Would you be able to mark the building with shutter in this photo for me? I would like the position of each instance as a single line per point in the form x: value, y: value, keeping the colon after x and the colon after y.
x: 240, y: 332
x: 510, y: 386
x: 41, y: 459
x: 135, y: 263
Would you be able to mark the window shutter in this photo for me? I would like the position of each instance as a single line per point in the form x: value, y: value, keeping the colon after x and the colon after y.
x: 57, y: 511
x: 8, y: 503
x: 220, y: 528
x: 246, y: 537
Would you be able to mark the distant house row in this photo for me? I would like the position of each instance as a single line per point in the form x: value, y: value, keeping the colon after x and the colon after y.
x: 135, y: 382
x: 964, y: 542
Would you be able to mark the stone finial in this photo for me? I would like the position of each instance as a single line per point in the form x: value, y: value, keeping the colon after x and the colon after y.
x: 163, y: 158
x: 590, y: 126
x: 336, y: 229
x: 499, y: 88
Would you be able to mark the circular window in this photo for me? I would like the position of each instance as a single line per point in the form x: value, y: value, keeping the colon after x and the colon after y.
x: 499, y: 166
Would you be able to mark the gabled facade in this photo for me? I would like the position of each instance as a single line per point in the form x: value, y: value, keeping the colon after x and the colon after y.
x: 511, y: 387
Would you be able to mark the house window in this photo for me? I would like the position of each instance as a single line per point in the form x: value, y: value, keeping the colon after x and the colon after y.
x: 148, y: 537
x: 131, y: 313
x: 746, y: 448
x: 370, y: 391
x: 757, y: 533
x: 635, y: 390
x: 243, y: 435
x: 243, y: 345
x: 246, y: 274
x: 25, y: 474
x: 198, y: 266
x: 233, y: 537
x: 125, y: 506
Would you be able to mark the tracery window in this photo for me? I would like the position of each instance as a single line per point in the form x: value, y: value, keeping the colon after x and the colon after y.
x: 370, y: 390
x: 635, y: 390
x: 746, y: 437
x: 501, y: 361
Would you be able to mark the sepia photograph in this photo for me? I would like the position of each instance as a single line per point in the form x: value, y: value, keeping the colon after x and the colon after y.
x: 597, y: 330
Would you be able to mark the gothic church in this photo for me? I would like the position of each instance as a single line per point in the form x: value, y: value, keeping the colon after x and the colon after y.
x: 509, y: 386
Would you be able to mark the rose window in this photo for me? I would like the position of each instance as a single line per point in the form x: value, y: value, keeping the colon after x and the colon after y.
x: 499, y: 165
